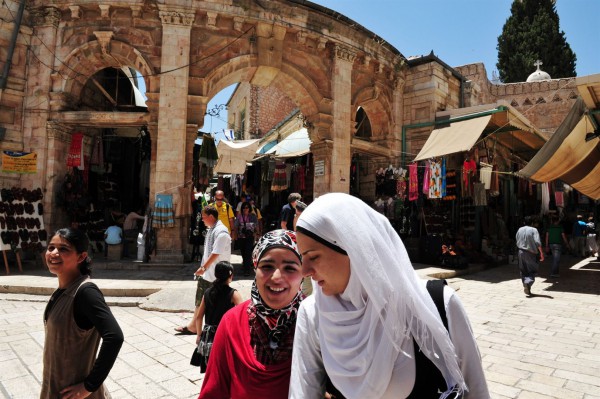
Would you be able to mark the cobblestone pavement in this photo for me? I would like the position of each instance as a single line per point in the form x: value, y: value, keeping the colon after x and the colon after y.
x: 545, y: 346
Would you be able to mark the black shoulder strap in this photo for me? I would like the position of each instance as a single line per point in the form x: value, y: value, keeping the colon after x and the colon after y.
x: 436, y: 290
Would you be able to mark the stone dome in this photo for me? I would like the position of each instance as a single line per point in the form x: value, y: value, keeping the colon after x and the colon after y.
x: 538, y: 75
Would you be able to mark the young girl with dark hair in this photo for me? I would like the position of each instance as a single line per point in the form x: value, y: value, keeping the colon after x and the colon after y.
x: 217, y: 300
x: 75, y: 320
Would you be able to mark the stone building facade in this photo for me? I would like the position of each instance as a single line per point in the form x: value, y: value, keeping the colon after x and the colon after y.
x: 186, y: 52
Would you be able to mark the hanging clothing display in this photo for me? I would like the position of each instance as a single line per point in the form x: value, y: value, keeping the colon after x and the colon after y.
x: 469, y: 169
x: 97, y: 158
x: 451, y: 185
x: 426, y: 178
x: 413, y: 183
x: 545, y: 205
x: 559, y: 199
x: 495, y: 183
x: 435, y: 179
x: 279, y: 178
x: 485, y: 175
x: 479, y: 197
x: 443, y: 177
x: 401, y: 188
x: 75, y: 155
x: 163, y: 211
x: 182, y: 202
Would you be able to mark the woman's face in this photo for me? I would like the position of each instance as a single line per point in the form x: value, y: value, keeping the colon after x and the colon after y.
x: 62, y: 257
x: 278, y: 277
x: 246, y: 209
x: 330, y: 269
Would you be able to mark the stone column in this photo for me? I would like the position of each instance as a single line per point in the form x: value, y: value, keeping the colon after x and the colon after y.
x: 341, y: 132
x: 169, y: 171
x: 39, y: 77
x: 395, y: 138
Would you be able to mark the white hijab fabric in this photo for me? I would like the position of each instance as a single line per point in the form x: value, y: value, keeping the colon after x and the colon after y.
x: 362, y: 331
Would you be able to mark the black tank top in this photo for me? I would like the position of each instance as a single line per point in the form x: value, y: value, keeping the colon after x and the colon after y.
x: 218, y: 306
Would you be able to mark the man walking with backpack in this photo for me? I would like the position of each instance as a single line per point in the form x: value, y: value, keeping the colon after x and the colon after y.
x: 226, y: 214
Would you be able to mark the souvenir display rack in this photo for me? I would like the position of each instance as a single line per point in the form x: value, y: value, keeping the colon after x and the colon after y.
x: 21, y: 222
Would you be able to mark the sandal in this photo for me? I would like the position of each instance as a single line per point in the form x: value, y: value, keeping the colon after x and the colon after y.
x: 183, y: 330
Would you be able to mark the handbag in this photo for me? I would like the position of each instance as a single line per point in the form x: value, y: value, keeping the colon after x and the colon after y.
x: 195, y: 360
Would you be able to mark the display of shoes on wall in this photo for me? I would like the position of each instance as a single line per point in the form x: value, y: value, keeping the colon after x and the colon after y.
x: 21, y: 219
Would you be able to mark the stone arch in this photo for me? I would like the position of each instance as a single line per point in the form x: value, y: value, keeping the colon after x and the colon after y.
x: 374, y: 101
x: 295, y: 84
x: 84, y: 61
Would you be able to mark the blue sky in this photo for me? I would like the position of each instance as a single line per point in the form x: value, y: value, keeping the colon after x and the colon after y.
x: 458, y: 31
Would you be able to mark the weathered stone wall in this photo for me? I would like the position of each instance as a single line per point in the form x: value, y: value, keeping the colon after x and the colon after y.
x: 544, y: 103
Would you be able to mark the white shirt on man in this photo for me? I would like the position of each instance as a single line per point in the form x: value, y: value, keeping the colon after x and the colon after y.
x: 221, y: 245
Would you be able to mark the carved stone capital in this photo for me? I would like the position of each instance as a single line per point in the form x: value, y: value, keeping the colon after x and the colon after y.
x: 49, y: 16
x: 344, y: 53
x: 104, y: 10
x: 399, y: 83
x: 301, y: 37
x: 104, y: 38
x: 238, y: 23
x: 75, y: 12
x: 58, y: 131
x: 136, y: 11
x: 321, y: 42
x: 176, y: 18
x: 211, y: 19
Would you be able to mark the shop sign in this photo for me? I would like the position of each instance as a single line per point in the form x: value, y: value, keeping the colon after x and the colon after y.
x: 319, y: 168
x: 19, y: 162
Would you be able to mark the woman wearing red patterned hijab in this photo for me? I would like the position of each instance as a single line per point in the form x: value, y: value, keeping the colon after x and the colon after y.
x: 252, y: 350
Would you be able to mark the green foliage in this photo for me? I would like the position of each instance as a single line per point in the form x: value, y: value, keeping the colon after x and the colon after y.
x: 531, y: 33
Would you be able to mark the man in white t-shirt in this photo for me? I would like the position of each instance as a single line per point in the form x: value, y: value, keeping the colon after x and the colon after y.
x: 217, y: 248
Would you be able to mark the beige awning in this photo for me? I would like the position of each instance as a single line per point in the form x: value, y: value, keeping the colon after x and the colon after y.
x: 567, y: 156
x: 463, y: 127
x: 296, y: 144
x: 457, y: 137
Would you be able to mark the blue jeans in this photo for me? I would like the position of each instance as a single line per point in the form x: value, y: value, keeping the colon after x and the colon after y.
x: 556, y: 252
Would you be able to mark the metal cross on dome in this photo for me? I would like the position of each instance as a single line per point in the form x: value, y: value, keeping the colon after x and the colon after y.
x: 538, y: 63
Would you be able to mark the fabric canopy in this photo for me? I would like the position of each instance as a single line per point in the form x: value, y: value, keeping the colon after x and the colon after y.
x: 499, y: 122
x: 233, y: 155
x: 294, y: 145
x: 457, y: 137
x: 568, y: 157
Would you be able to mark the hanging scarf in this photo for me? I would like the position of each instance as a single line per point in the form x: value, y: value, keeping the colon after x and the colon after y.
x: 278, y: 321
x: 385, y: 305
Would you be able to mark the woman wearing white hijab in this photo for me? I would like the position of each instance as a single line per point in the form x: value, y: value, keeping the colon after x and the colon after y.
x: 371, y: 319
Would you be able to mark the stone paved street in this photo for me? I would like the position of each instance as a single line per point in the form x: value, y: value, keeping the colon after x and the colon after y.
x: 546, y: 346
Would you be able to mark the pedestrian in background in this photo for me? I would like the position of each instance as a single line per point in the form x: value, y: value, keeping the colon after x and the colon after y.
x: 252, y: 351
x: 579, y: 240
x: 226, y: 214
x: 528, y: 245
x: 75, y: 320
x: 217, y: 300
x: 592, y: 244
x: 372, y: 329
x: 555, y: 236
x: 246, y: 224
x: 288, y: 212
x: 217, y: 248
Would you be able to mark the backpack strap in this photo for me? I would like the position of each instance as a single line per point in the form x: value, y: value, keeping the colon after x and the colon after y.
x: 436, y: 290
